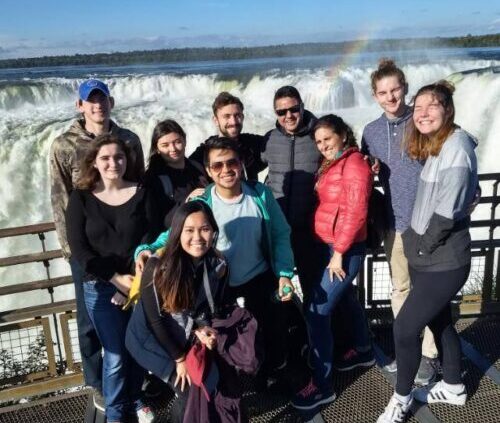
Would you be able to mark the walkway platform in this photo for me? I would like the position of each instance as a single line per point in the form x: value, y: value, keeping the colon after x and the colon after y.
x: 362, y: 394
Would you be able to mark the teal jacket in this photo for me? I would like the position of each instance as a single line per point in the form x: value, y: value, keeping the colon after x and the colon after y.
x: 277, y: 247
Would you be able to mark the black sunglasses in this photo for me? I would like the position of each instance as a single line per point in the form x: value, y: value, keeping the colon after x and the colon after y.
x: 231, y: 164
x: 293, y: 109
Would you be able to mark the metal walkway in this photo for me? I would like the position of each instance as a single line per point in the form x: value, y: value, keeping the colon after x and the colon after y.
x: 362, y: 394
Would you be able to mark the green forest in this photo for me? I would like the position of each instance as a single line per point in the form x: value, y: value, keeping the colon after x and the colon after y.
x: 232, y: 53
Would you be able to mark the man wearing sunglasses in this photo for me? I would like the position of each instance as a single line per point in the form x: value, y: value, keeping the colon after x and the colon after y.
x: 254, y: 237
x: 292, y: 158
x: 228, y: 118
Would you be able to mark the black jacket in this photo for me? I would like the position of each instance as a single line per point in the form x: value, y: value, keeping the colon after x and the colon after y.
x: 293, y: 161
x: 250, y: 147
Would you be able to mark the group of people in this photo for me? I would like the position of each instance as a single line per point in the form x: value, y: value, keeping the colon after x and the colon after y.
x: 215, y: 251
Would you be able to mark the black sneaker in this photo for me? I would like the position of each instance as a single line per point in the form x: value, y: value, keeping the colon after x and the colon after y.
x: 353, y: 359
x: 98, y: 400
x: 311, y: 397
x: 426, y: 371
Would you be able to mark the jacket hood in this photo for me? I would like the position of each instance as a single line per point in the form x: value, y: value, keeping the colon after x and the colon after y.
x: 78, y: 128
x: 465, y: 136
x: 308, y: 121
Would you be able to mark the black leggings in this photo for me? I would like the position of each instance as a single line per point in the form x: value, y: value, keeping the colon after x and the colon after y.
x: 428, y: 304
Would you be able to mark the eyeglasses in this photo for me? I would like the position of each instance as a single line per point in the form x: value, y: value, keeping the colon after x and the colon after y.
x: 293, y: 109
x: 231, y: 164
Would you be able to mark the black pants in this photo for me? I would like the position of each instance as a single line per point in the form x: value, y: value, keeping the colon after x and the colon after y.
x: 309, y: 254
x: 270, y: 316
x: 428, y: 304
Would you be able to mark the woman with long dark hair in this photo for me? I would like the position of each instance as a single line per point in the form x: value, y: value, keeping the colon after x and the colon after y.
x: 343, y: 187
x: 170, y: 175
x: 437, y: 246
x: 180, y: 294
x: 106, y: 217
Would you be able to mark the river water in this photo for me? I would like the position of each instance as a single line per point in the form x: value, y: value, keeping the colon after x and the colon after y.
x: 38, y: 104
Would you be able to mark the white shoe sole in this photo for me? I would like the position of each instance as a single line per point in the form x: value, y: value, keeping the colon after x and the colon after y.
x: 440, y: 397
x: 327, y: 400
x: 365, y: 364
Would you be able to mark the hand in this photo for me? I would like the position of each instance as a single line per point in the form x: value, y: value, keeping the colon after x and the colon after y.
x: 285, y: 282
x: 118, y: 299
x: 122, y: 282
x: 182, y: 374
x: 335, y: 267
x: 140, y: 263
x: 207, y: 336
x: 198, y: 192
x: 374, y: 164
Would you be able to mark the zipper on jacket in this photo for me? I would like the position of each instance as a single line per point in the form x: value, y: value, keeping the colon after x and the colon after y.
x: 292, y: 166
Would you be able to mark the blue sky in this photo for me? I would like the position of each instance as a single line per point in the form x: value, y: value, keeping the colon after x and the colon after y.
x: 49, y: 27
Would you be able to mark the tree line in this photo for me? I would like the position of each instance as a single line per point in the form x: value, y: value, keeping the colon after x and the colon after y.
x: 232, y: 53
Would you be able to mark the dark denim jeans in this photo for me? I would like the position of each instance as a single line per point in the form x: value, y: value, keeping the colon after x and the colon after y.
x: 90, y: 346
x: 122, y: 377
x: 327, y: 296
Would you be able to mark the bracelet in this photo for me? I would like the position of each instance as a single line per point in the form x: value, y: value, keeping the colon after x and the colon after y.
x: 180, y: 361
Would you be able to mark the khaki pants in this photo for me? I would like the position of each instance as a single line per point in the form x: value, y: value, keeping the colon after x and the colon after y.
x: 400, y: 276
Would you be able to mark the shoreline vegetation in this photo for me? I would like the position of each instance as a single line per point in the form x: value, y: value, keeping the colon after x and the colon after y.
x: 193, y: 54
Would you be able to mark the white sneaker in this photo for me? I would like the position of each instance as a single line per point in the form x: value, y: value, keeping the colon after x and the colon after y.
x: 395, y: 412
x: 145, y: 415
x: 437, y: 392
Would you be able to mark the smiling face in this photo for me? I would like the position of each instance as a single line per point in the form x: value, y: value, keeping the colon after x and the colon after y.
x: 224, y: 168
x: 111, y: 162
x: 328, y: 142
x: 197, y: 235
x: 229, y: 120
x: 429, y: 114
x: 289, y: 113
x: 97, y: 108
x: 172, y: 148
x: 390, y: 95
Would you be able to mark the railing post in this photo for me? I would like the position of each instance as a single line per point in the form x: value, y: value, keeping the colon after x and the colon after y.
x: 46, y: 263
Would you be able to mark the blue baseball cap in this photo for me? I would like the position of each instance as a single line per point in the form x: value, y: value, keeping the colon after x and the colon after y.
x: 90, y: 85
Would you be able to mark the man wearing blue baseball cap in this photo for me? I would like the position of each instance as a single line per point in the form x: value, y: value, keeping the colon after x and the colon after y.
x: 95, y: 104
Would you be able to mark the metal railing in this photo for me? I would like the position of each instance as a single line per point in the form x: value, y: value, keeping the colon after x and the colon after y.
x: 39, y: 346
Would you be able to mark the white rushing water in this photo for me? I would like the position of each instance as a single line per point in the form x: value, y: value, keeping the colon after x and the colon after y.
x: 34, y: 111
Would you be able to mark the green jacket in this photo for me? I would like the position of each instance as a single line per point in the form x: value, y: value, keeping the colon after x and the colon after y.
x: 276, y: 246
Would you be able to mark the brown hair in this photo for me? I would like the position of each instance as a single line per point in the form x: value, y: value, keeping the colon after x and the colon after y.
x: 224, y: 99
x: 421, y: 146
x: 337, y: 125
x: 386, y: 67
x: 174, y: 277
x: 89, y: 175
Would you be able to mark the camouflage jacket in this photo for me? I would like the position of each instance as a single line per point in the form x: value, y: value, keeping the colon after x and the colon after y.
x: 66, y: 153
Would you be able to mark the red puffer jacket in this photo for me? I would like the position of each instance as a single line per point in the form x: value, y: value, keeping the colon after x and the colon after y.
x: 343, y: 189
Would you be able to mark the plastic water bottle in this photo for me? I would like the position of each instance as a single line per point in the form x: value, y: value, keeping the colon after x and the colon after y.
x: 276, y: 295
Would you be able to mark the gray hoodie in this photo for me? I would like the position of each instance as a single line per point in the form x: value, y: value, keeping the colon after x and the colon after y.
x: 439, y: 238
x: 383, y: 139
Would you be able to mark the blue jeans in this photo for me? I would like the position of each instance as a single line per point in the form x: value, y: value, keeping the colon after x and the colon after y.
x: 122, y: 377
x: 327, y: 296
x: 90, y: 346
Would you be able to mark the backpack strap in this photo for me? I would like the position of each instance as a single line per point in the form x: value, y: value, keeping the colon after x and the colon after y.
x: 166, y: 182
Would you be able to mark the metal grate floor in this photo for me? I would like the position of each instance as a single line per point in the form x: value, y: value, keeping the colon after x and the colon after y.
x: 362, y: 394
